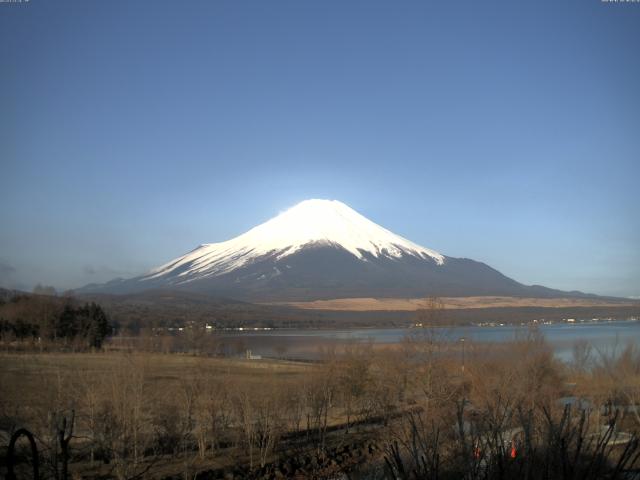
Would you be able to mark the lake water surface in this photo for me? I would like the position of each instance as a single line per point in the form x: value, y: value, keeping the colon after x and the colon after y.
x: 606, y: 337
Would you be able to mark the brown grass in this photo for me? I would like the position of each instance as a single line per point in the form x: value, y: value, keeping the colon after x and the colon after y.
x: 412, y: 304
x: 22, y: 376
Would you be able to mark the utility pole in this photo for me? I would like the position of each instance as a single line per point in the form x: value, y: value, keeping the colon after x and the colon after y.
x: 462, y: 341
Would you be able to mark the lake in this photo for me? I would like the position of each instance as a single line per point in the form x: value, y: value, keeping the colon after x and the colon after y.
x: 606, y: 337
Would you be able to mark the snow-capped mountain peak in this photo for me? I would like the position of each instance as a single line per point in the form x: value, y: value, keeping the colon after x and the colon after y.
x: 309, y: 223
x: 322, y: 249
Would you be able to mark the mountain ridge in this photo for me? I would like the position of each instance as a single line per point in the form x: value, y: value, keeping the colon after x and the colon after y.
x: 323, y: 249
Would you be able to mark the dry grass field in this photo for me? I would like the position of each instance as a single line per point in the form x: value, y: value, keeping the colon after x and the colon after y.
x: 25, y: 377
x: 149, y: 400
x: 412, y: 304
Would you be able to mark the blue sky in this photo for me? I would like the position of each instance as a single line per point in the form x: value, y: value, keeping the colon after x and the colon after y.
x: 506, y: 132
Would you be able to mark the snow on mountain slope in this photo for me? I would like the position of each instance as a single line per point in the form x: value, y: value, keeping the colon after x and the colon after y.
x: 312, y: 222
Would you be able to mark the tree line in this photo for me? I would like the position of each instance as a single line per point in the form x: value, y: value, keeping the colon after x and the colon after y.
x: 48, y: 320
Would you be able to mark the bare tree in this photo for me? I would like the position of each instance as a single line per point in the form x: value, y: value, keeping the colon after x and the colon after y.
x: 353, y: 378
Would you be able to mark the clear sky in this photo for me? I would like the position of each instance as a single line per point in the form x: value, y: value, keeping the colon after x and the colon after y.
x: 507, y: 132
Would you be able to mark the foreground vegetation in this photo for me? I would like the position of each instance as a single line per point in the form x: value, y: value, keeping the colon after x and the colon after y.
x: 424, y: 409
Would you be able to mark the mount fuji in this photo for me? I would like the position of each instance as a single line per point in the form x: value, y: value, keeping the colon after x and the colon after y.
x: 323, y: 249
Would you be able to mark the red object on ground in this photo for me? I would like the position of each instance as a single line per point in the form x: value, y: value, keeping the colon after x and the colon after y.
x: 513, y: 453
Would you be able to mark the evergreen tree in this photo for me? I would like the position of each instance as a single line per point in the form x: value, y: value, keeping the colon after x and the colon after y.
x: 98, y: 326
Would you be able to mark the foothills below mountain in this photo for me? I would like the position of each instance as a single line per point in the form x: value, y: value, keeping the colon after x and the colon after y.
x: 323, y: 249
